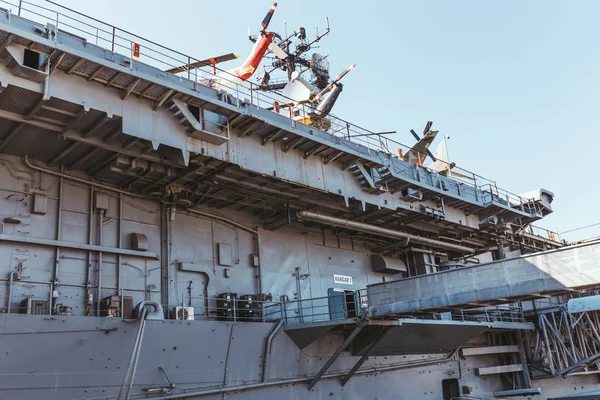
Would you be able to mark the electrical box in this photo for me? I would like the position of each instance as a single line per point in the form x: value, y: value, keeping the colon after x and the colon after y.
x: 139, y: 242
x: 254, y: 261
x: 224, y: 254
x: 40, y: 204
x: 101, y: 201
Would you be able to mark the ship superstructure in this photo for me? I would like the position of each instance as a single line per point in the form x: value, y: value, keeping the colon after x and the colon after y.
x: 166, y: 238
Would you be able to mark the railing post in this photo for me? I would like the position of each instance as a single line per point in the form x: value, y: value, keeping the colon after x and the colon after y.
x: 19, y: 12
x: 113, y: 39
x: 252, y: 95
x: 234, y: 309
x: 188, y: 68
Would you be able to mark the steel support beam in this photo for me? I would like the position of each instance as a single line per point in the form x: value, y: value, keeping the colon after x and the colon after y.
x: 55, y: 64
x: 112, y: 158
x: 75, y: 66
x: 96, y: 142
x: 146, y: 90
x: 11, y: 135
x: 365, y: 356
x: 335, y: 355
x: 273, y: 136
x: 315, y: 150
x: 292, y: 144
x: 63, y: 153
x: 77, y: 246
x: 95, y: 73
x: 100, y: 122
x: 333, y: 157
x: 6, y: 42
x: 130, y: 88
x: 162, y: 99
x: 249, y: 129
x: 113, y: 78
x: 36, y: 108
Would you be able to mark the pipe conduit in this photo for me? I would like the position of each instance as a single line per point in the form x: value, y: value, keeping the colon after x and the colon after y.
x: 315, y: 216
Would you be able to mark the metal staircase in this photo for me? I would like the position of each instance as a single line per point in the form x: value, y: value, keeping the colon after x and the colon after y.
x: 364, y: 176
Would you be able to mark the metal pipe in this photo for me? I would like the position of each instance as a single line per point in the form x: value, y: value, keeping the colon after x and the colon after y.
x: 279, y: 382
x: 49, y: 171
x: 99, y: 292
x: 335, y: 355
x: 119, y: 258
x: 222, y: 219
x: 316, y: 216
x: 10, y: 284
x: 90, y: 295
x: 77, y: 246
x: 134, y: 352
x: 58, y: 236
x: 269, y: 341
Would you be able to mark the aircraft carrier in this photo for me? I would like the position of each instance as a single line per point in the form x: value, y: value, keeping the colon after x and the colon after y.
x: 166, y: 239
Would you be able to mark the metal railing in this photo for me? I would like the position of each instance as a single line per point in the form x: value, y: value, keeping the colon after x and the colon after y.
x: 243, y: 309
x: 93, y: 31
x: 501, y: 313
x: 543, y: 232
x: 343, y: 306
x: 336, y: 307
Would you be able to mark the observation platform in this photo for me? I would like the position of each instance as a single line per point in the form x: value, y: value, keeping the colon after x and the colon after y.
x: 543, y: 274
x: 127, y: 121
x: 305, y: 321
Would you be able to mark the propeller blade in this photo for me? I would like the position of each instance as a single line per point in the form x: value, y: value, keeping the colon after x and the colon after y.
x: 278, y: 51
x: 427, y: 127
x: 204, y: 63
x: 431, y: 155
x: 265, y: 22
x: 415, y: 134
x: 340, y: 76
x: 328, y: 88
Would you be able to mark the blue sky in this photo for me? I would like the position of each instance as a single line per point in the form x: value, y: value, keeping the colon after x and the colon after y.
x: 516, y: 85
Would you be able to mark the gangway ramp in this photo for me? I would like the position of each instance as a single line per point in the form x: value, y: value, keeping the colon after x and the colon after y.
x: 570, y: 268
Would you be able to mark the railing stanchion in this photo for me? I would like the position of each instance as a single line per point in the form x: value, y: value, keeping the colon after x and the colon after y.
x: 19, y: 12
x: 113, y: 39
x: 234, y: 309
x: 189, y: 68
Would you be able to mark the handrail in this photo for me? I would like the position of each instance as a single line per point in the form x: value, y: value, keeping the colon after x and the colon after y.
x: 164, y: 58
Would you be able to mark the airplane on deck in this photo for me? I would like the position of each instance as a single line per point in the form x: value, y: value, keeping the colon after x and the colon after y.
x: 418, y: 153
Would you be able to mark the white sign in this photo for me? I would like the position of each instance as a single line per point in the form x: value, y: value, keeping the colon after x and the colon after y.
x: 342, y: 279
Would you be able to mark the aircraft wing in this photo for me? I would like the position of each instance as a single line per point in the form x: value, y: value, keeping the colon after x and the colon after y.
x: 203, y: 63
x: 418, y: 152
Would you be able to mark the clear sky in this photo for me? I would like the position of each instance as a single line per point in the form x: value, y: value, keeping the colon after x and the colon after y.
x: 515, y: 84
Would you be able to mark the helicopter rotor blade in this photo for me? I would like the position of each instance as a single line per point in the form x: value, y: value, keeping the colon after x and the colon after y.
x: 431, y: 155
x: 427, y: 127
x: 265, y: 22
x: 415, y: 134
x: 328, y: 88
